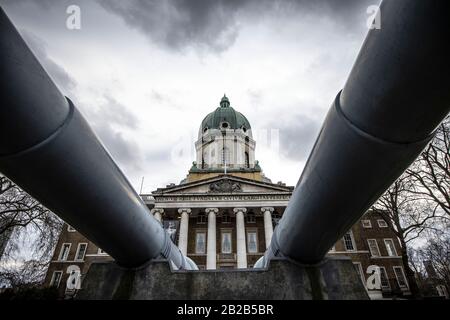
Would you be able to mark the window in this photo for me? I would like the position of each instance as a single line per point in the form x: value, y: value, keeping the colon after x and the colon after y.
x: 56, y: 279
x: 64, y: 253
x: 247, y: 160
x: 366, y: 223
x: 275, y: 219
x: 251, y: 218
x: 201, y: 218
x: 225, y: 156
x: 401, y: 280
x: 384, y: 279
x: 390, y: 247
x: 442, y: 291
x: 382, y: 223
x: 81, y: 251
x: 226, y: 242
x: 226, y: 218
x: 373, y: 247
x: 348, y: 241
x: 360, y: 272
x: 252, y: 241
x: 200, y: 242
x: 70, y: 228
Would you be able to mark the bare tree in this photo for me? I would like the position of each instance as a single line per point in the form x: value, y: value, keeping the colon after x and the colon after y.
x: 408, y: 217
x: 431, y: 171
x: 23, y: 219
x: 437, y: 253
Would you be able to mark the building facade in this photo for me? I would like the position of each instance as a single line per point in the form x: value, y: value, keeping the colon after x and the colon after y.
x: 222, y: 215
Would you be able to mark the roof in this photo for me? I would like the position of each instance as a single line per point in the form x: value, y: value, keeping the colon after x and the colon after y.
x: 225, y: 114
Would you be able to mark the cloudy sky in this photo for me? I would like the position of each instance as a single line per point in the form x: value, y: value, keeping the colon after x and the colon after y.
x: 145, y: 73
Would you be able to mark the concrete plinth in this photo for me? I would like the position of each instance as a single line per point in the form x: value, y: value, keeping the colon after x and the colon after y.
x: 334, y: 278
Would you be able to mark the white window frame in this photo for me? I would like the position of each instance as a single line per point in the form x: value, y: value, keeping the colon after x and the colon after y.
x: 225, y: 218
x: 256, y: 234
x: 231, y: 241
x: 60, y: 258
x: 70, y: 228
x: 358, y: 265
x: 393, y: 247
x: 370, y: 249
x: 404, y: 277
x: 251, y: 218
x: 205, y: 239
x: 383, y: 269
x: 78, y: 251
x: 201, y: 218
x: 101, y: 251
x: 366, y: 221
x: 442, y: 290
x: 383, y: 223
x: 350, y: 232
x: 52, y: 280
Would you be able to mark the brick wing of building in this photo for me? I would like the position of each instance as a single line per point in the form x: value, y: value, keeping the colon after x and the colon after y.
x: 222, y: 215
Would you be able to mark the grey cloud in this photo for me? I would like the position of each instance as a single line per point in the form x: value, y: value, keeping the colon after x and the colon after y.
x: 297, y: 136
x: 214, y: 25
x: 211, y: 25
x: 116, y: 113
x: 125, y: 152
x: 106, y: 118
x: 43, y: 3
x: 59, y: 75
x: 179, y: 24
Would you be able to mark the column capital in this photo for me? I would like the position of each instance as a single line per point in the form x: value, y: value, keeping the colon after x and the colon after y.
x: 243, y: 210
x: 212, y: 210
x: 184, y: 210
x: 264, y: 209
x: 157, y: 210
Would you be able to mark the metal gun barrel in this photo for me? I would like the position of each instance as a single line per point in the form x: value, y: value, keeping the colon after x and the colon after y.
x: 396, y: 95
x: 49, y: 150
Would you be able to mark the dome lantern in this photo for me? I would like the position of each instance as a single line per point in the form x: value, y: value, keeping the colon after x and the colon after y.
x: 224, y: 103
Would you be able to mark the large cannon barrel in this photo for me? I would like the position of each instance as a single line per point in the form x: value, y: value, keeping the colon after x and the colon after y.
x: 396, y: 95
x: 49, y: 150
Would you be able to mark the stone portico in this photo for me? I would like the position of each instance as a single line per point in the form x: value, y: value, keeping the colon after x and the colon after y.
x: 221, y: 222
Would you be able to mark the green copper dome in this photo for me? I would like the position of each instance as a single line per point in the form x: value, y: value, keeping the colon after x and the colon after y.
x: 225, y: 117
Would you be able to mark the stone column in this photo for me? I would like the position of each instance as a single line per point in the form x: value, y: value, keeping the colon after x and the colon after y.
x: 157, y: 213
x: 184, y: 226
x: 211, y: 241
x: 268, y: 226
x: 241, y: 244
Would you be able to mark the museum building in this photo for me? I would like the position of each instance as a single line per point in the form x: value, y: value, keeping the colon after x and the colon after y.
x: 222, y: 215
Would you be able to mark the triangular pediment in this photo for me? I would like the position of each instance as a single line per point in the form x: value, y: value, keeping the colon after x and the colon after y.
x: 224, y: 184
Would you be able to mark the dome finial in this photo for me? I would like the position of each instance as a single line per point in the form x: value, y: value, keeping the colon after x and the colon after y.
x: 224, y: 102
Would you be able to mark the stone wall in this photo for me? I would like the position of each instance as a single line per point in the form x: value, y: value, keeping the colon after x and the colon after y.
x: 334, y: 278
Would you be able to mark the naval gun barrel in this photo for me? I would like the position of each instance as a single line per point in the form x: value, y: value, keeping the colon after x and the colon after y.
x: 396, y: 95
x: 49, y: 150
